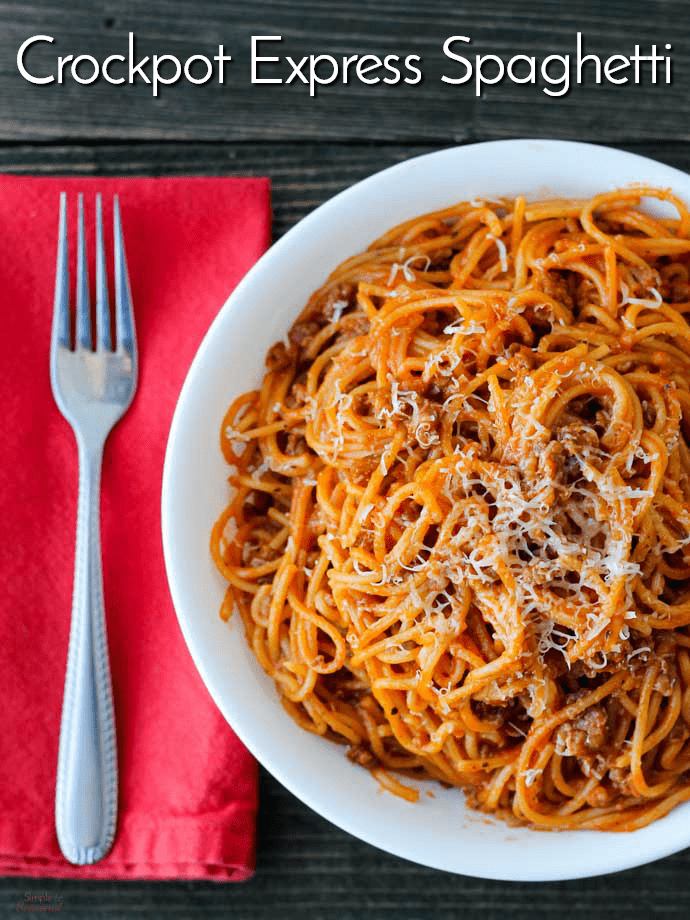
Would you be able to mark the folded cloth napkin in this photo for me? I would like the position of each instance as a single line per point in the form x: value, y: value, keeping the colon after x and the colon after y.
x: 188, y: 789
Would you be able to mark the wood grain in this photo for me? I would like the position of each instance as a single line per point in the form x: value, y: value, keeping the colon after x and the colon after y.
x: 431, y: 111
x: 303, y: 174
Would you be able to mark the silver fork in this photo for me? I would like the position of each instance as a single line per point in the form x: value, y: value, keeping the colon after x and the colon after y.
x: 93, y: 389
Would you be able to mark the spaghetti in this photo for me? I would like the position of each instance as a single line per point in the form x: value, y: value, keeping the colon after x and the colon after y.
x: 459, y: 533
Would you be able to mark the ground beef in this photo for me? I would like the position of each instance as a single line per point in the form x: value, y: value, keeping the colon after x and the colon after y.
x: 360, y: 754
x: 587, y: 733
x: 278, y: 357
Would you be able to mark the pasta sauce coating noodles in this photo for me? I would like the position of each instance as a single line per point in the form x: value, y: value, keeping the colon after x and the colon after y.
x: 459, y: 527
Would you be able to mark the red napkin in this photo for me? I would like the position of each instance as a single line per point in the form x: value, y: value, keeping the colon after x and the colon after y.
x: 188, y: 789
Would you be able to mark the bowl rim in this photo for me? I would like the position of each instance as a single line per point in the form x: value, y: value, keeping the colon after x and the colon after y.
x: 624, y: 857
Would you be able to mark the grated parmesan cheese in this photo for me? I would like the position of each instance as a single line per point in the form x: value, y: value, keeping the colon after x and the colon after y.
x: 502, y: 251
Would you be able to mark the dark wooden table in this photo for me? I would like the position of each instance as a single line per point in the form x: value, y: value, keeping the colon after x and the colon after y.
x: 311, y: 148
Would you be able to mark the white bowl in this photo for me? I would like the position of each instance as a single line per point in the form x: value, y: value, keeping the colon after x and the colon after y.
x: 437, y: 831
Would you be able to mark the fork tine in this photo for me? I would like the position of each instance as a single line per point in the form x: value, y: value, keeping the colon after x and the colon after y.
x: 124, y: 320
x: 61, y: 334
x: 83, y: 309
x: 103, y: 339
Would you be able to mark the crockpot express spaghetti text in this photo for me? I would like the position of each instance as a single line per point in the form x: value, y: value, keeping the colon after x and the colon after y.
x: 459, y: 530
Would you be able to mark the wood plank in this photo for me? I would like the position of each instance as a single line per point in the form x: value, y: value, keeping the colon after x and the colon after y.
x: 430, y: 111
x: 303, y: 175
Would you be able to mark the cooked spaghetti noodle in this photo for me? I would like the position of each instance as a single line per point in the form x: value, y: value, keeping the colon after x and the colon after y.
x: 459, y: 531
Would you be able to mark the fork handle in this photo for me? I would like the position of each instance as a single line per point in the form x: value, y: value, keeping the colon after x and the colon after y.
x: 86, y: 789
